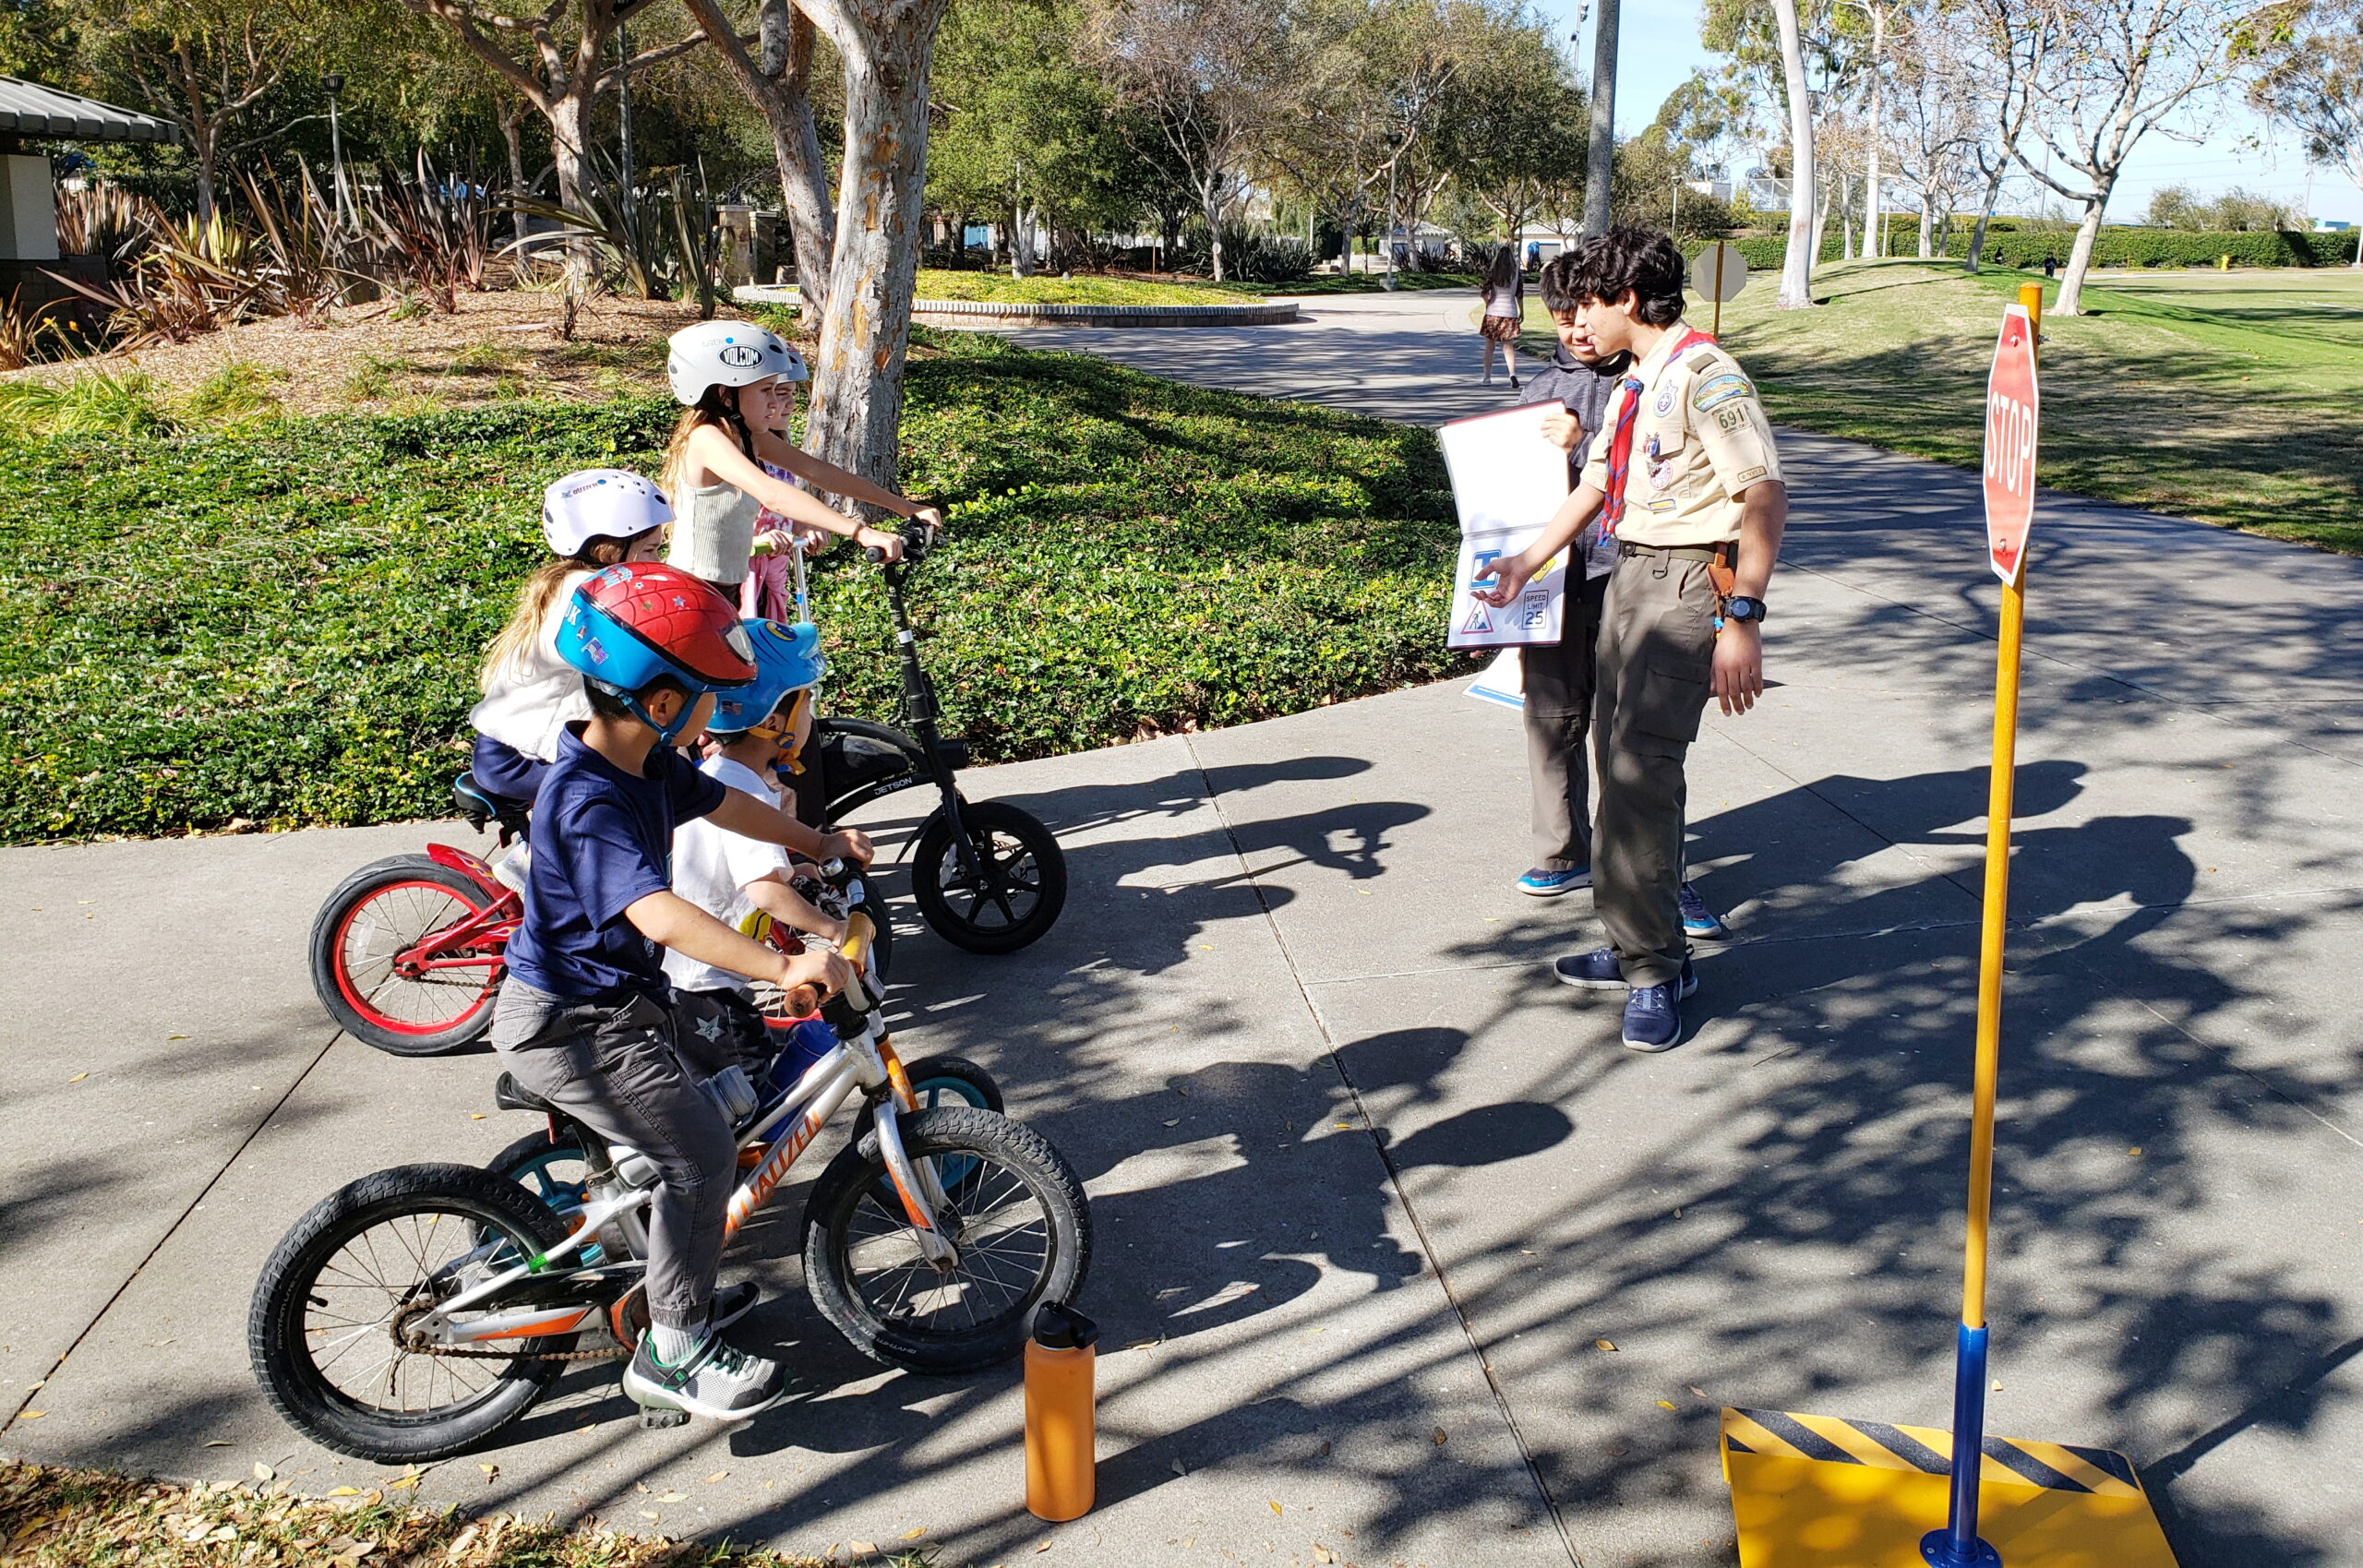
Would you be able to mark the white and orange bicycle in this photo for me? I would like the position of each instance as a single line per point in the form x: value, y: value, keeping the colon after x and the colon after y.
x: 416, y: 1313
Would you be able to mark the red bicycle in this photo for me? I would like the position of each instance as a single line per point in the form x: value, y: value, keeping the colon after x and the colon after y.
x: 408, y: 953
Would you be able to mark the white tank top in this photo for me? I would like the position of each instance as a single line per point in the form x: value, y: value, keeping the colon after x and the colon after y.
x: 713, y: 533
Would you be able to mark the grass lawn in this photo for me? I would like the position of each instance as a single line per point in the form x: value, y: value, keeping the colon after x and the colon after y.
x: 279, y: 625
x: 56, y: 1518
x: 2227, y: 397
x: 1048, y: 288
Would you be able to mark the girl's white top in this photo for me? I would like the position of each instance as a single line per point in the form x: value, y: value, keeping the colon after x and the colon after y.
x: 535, y: 695
x: 1505, y: 302
x: 713, y: 532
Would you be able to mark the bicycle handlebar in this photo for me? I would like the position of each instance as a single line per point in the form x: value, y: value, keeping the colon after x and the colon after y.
x: 918, y: 538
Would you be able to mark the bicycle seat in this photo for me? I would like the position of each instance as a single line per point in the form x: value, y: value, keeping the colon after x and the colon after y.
x: 509, y: 1095
x: 480, y: 806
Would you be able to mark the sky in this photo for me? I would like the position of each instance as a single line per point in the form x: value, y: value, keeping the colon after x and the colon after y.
x: 1658, y: 48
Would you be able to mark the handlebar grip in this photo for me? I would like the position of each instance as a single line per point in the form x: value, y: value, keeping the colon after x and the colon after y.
x: 803, y: 1001
x: 874, y: 554
x: 860, y: 931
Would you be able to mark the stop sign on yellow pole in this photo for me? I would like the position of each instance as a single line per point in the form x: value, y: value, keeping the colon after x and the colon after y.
x: 2013, y: 402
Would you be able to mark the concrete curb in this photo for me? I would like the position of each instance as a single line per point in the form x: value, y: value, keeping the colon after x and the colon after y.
x: 975, y: 313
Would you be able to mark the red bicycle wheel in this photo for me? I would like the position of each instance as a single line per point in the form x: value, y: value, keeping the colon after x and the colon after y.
x: 381, y: 977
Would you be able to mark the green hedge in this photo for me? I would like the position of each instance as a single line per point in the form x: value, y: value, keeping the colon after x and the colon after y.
x: 283, y: 627
x: 2115, y: 247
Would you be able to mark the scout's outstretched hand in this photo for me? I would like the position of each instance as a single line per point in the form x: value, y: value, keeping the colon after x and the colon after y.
x: 1738, y: 667
x: 1509, y: 574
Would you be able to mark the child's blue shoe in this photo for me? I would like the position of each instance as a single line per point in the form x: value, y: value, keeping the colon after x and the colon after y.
x: 1540, y: 884
x: 1697, y: 920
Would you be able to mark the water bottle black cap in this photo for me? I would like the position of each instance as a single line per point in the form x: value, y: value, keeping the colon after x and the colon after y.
x: 1061, y: 1327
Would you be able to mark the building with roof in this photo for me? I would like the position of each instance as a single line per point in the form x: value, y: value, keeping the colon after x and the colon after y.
x: 29, y: 112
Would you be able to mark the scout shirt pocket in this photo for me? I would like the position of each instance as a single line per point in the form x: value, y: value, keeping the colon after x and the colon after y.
x: 1661, y: 450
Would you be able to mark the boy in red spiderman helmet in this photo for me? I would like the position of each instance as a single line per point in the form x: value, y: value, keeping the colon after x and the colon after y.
x: 584, y: 1019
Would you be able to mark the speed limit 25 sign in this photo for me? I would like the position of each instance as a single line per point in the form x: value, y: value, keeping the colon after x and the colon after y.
x: 2012, y: 403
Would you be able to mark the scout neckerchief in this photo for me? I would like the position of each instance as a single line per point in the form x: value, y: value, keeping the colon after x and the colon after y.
x: 1620, y: 445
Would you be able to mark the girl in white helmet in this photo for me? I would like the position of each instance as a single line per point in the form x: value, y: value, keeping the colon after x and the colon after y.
x: 730, y: 461
x: 592, y: 519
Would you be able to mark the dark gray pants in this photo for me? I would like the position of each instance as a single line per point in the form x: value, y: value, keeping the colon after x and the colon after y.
x: 612, y: 1067
x: 1657, y: 646
x: 1558, y: 723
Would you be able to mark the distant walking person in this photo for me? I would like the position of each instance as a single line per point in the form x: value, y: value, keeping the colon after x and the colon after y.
x: 1689, y: 485
x: 1504, y: 296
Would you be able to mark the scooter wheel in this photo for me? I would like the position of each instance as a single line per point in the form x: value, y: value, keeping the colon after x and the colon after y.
x: 1017, y: 896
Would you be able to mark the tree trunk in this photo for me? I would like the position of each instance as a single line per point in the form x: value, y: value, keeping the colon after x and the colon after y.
x: 776, y: 83
x: 1976, y: 259
x: 1600, y: 164
x: 1874, y: 236
x: 887, y: 47
x: 1845, y: 205
x: 1212, y: 211
x: 1927, y: 222
x: 209, y: 156
x: 1822, y: 205
x: 570, y: 116
x: 1796, y: 268
x: 512, y: 136
x: 2080, y: 258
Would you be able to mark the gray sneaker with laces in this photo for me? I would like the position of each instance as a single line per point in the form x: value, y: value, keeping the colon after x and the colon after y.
x: 717, y: 1382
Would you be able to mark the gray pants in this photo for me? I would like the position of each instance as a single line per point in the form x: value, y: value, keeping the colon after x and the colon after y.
x: 1558, y: 723
x: 1657, y: 646
x: 612, y: 1067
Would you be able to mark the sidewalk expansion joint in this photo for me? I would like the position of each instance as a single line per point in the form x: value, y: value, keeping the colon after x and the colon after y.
x: 173, y: 1229
x: 1369, y: 1127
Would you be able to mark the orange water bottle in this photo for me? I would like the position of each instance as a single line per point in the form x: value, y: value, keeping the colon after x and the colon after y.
x: 1060, y: 1468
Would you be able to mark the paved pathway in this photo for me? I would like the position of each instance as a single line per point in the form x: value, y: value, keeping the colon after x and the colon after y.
x: 1363, y: 1177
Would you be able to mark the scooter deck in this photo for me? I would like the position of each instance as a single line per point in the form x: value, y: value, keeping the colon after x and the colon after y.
x: 1819, y: 1491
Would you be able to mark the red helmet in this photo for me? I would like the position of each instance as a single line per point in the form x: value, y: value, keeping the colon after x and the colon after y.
x: 639, y: 621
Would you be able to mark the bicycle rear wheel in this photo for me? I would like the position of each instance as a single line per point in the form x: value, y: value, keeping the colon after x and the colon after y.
x: 1020, y: 1222
x: 382, y: 912
x: 324, y: 1330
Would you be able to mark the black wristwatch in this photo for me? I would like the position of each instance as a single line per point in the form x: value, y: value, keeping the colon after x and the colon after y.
x: 1740, y: 607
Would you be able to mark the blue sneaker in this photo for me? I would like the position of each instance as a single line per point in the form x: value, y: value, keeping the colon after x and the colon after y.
x: 1697, y: 920
x: 1540, y: 884
x: 1595, y: 971
x: 1652, y: 1022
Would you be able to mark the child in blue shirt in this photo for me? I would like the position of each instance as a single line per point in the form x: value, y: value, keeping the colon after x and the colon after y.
x: 584, y: 1019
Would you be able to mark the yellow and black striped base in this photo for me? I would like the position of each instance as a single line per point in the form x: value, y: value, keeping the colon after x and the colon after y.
x: 1817, y: 1491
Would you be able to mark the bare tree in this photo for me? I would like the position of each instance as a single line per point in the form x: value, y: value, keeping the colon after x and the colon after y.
x: 887, y: 47
x: 1204, y: 74
x: 1880, y: 13
x: 565, y: 70
x: 1940, y: 125
x: 1796, y: 268
x: 2004, y: 45
x: 204, y: 65
x: 2310, y: 74
x: 776, y: 77
x: 2119, y: 70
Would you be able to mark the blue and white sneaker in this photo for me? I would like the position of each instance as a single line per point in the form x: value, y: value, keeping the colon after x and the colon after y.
x: 1698, y: 921
x: 1540, y: 884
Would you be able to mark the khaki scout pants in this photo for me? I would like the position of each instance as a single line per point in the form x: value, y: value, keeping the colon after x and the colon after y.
x: 1657, y: 643
x: 1559, y: 692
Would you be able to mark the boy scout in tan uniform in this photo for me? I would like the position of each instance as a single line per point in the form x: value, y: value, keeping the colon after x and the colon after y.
x: 1690, y: 486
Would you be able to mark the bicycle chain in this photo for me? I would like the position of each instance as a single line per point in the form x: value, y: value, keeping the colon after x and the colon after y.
x: 615, y: 1353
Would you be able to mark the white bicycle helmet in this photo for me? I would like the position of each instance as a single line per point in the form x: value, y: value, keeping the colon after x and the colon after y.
x: 728, y: 353
x: 596, y: 503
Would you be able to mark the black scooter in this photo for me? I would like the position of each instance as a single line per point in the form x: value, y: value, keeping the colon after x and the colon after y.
x: 987, y: 876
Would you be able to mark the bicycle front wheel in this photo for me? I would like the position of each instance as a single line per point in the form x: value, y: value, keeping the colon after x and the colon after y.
x: 1017, y: 889
x: 325, y: 1332
x: 1019, y: 1219
x: 370, y: 975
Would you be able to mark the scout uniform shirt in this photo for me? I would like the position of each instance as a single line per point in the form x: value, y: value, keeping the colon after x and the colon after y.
x: 1699, y: 438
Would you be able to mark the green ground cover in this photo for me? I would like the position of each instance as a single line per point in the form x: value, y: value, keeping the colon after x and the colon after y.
x: 2227, y: 397
x: 281, y: 626
x: 1048, y: 288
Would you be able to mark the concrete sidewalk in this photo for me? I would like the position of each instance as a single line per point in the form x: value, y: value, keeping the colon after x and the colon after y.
x: 1369, y: 1189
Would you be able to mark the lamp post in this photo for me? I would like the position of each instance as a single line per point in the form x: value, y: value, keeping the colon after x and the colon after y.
x: 335, y: 84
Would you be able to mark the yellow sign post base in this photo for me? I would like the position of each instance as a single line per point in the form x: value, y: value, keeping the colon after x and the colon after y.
x: 1815, y: 1491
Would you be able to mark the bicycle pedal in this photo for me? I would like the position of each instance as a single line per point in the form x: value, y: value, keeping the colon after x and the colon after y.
x: 657, y: 1420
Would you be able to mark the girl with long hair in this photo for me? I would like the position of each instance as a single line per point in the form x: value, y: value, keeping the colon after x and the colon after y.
x: 1504, y: 291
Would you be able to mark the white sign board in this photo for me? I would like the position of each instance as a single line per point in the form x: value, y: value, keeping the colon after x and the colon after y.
x: 1507, y: 480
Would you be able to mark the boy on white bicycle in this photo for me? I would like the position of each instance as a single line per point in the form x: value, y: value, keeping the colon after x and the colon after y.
x: 584, y: 1019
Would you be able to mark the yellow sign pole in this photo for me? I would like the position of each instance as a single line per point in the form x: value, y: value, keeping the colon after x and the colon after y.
x: 1958, y: 1546
x: 1719, y: 290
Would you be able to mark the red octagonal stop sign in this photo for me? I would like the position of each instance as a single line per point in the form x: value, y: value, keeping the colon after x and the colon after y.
x: 2012, y: 405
